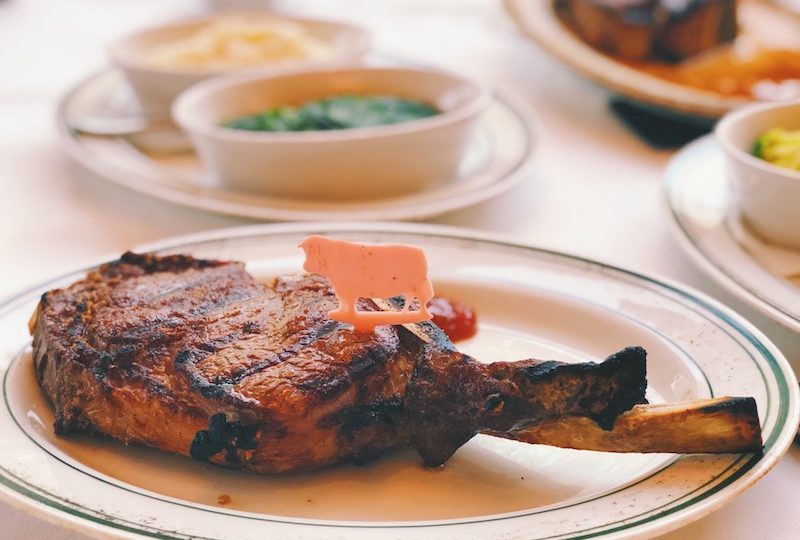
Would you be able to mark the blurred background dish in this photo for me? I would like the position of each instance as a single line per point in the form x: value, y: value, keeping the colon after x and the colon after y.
x: 160, y: 161
x: 160, y: 62
x: 679, y: 58
x: 365, y: 162
x: 237, y: 5
x: 704, y: 211
x: 768, y: 195
x: 789, y: 5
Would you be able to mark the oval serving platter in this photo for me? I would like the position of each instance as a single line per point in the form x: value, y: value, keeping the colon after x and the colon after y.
x: 539, y: 21
x: 531, y: 303
x: 161, y: 163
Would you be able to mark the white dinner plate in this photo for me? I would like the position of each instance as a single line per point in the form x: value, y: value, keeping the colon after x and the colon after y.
x: 163, y: 165
x: 539, y: 21
x: 704, y: 212
x: 530, y: 303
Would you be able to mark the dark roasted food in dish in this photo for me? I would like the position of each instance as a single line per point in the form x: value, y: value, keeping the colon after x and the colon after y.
x: 651, y: 29
x: 198, y: 358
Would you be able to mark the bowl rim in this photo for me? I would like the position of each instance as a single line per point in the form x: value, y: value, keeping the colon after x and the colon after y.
x: 732, y: 119
x: 119, y: 49
x: 472, y: 108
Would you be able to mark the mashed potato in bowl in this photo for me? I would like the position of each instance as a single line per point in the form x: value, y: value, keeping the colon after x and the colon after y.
x: 238, y: 42
x: 162, y: 61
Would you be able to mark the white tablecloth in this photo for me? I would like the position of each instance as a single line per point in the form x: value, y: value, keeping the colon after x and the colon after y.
x: 595, y: 189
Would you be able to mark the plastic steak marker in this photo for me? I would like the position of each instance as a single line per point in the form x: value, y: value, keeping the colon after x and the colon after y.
x: 371, y: 271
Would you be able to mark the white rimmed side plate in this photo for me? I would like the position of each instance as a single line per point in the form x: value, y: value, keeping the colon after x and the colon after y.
x: 703, y: 210
x: 530, y: 303
x: 162, y: 164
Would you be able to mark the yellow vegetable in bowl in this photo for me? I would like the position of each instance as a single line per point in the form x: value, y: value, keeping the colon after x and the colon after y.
x: 780, y: 147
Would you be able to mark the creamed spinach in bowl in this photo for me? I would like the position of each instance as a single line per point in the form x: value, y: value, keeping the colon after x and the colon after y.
x: 337, y: 112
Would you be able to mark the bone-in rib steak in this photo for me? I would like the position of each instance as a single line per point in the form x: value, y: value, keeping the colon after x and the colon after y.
x: 199, y: 358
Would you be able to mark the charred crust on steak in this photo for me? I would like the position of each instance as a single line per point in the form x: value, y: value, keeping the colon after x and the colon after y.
x: 71, y: 420
x: 214, y: 390
x: 98, y: 362
x: 251, y: 327
x: 323, y: 385
x: 494, y: 403
x: 631, y: 363
x: 151, y: 263
x: 305, y: 341
x: 40, y: 365
x: 367, y: 362
x: 436, y: 335
x: 350, y: 420
x: 232, y: 437
x: 601, y: 391
x: 366, y: 455
x: 326, y: 384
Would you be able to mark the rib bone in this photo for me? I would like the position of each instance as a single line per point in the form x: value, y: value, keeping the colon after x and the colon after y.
x: 713, y: 426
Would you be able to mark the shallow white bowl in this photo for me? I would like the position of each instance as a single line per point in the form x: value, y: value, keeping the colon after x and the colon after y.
x: 768, y: 195
x: 359, y: 163
x: 157, y: 86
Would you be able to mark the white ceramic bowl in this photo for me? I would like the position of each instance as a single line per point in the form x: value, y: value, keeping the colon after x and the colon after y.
x: 768, y: 195
x: 157, y: 86
x: 359, y: 163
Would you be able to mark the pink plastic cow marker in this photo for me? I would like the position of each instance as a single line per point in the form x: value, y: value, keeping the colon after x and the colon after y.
x: 371, y: 271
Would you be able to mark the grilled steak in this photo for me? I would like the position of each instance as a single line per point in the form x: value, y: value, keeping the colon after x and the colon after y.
x: 198, y: 358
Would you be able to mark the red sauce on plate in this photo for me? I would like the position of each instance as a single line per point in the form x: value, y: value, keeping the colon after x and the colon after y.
x: 456, y: 319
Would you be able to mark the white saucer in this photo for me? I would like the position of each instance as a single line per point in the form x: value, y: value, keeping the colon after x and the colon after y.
x: 704, y: 211
x: 162, y: 164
